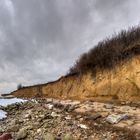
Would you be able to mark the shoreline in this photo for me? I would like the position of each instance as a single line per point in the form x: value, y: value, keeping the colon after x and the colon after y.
x: 42, y: 118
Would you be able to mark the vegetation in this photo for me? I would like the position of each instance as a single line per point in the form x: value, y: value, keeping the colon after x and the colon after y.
x: 109, y: 52
x: 19, y: 86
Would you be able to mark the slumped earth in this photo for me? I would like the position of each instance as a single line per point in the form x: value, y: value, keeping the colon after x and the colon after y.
x: 51, y: 119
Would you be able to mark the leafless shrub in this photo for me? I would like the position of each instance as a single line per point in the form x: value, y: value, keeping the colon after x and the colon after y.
x: 109, y: 52
x: 19, y: 86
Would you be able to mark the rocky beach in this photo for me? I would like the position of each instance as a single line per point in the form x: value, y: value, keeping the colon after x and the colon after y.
x: 52, y: 119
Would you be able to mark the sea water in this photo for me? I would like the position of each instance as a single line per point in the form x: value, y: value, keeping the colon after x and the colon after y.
x: 5, y: 102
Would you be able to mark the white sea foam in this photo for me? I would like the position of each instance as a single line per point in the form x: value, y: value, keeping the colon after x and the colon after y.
x: 5, y: 102
x: 3, y: 114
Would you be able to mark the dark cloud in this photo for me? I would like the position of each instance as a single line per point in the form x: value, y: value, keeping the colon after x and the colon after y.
x: 40, y: 40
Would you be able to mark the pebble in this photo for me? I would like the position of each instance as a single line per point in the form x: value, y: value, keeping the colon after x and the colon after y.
x: 39, y: 130
x: 49, y: 136
x: 68, y: 137
x: 109, y: 106
x: 27, y: 116
x: 13, y: 128
x: 53, y: 114
x: 49, y: 106
x: 129, y: 122
x: 35, y: 120
x: 1, y: 130
x: 93, y: 116
x: 83, y: 126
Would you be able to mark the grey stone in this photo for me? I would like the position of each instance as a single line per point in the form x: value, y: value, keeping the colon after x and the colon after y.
x: 93, y: 116
x: 66, y: 107
x: 21, y: 134
x: 68, y: 137
x: 14, y: 122
x: 49, y: 106
x: 1, y: 130
x: 109, y: 106
x: 53, y: 114
x: 116, y: 118
x: 49, y: 100
x: 71, y: 108
x: 27, y: 116
x: 49, y: 136
x: 83, y: 126
x: 30, y: 127
x: 13, y: 128
x: 68, y: 117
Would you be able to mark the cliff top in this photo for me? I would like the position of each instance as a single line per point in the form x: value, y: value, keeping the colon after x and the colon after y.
x: 110, y: 52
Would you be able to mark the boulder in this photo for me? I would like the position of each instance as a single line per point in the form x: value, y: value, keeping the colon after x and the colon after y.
x: 116, y: 118
x: 22, y: 134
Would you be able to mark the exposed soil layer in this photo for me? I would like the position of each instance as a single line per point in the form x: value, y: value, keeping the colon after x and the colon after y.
x: 122, y: 83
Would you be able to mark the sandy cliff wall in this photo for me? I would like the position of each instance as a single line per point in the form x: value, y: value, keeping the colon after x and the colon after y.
x: 120, y: 83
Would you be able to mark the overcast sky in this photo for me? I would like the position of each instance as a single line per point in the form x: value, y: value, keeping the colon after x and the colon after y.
x: 41, y: 39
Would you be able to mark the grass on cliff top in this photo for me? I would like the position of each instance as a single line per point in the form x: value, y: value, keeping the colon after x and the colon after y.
x: 109, y: 52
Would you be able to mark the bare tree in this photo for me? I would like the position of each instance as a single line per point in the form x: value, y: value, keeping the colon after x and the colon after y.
x: 19, y: 86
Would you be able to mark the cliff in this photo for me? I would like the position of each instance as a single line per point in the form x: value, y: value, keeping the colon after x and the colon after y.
x: 110, y: 71
x: 120, y: 83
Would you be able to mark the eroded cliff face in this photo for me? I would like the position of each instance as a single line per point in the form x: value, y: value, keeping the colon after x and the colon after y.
x: 120, y: 83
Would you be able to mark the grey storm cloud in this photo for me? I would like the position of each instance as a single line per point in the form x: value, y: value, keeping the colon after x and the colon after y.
x: 41, y: 39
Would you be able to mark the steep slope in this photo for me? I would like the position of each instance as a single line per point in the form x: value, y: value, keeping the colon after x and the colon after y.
x: 120, y: 83
x: 109, y: 71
